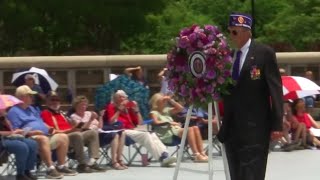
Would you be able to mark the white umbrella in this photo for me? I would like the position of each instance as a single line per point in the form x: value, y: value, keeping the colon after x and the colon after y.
x: 41, y: 77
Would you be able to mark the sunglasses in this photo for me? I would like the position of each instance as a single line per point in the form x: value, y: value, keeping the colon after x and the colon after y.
x: 233, y: 32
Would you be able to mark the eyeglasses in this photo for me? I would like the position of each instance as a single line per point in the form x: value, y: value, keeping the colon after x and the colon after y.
x: 55, y: 100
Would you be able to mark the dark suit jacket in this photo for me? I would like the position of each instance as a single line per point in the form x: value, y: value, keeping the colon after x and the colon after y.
x: 254, y: 107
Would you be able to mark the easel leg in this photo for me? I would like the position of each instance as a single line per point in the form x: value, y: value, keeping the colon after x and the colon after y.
x: 223, y: 150
x: 182, y: 144
x: 210, y: 141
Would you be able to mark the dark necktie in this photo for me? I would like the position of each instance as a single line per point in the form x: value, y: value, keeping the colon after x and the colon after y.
x: 236, y: 66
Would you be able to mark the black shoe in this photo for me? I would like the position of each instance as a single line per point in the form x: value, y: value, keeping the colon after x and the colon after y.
x: 97, y: 168
x: 22, y: 177
x: 30, y: 175
x: 83, y: 168
x: 66, y: 171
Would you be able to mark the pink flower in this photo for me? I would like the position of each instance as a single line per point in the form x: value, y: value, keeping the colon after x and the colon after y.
x: 220, y: 80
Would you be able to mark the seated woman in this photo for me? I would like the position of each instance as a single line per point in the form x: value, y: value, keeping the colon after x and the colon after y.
x: 298, y: 130
x: 160, y: 114
x: 300, y: 113
x: 24, y: 149
x: 90, y: 118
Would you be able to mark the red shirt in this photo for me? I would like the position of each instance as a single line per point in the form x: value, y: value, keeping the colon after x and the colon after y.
x: 128, y: 119
x: 62, y: 122
x: 304, y: 118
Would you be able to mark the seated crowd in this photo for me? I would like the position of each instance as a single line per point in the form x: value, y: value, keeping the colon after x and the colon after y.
x: 28, y: 131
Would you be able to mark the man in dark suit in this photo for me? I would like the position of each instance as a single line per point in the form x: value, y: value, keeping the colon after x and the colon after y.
x: 253, y: 110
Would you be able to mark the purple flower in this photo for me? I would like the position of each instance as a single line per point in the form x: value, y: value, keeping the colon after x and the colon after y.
x: 190, y: 50
x: 183, y: 89
x: 200, y: 44
x: 209, y: 88
x: 184, y: 42
x: 185, y: 32
x: 192, y: 37
x: 211, y: 38
x: 211, y: 74
x: 227, y: 73
x: 209, y: 28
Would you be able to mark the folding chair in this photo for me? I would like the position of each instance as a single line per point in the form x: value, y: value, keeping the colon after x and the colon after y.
x: 9, y: 160
x: 138, y: 148
x: 132, y: 144
x: 175, y: 142
x: 215, y: 144
x: 104, y: 156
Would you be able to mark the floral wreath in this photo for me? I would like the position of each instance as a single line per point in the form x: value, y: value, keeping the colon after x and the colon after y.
x: 199, y: 65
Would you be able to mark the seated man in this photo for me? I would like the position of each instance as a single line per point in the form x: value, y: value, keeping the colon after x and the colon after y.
x: 78, y: 137
x: 26, y: 116
x: 127, y: 112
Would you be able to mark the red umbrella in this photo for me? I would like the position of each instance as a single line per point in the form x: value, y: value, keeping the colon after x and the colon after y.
x: 295, y: 87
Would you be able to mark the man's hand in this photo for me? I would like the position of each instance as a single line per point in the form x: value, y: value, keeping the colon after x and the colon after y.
x: 18, y: 131
x: 275, y: 135
x: 35, y: 132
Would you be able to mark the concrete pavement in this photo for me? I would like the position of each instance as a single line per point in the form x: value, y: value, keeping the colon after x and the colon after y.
x: 294, y: 165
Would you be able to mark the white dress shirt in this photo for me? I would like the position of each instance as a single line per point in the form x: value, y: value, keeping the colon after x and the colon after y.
x: 244, y: 50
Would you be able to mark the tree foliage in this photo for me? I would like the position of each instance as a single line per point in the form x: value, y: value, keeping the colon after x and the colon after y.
x: 67, y: 27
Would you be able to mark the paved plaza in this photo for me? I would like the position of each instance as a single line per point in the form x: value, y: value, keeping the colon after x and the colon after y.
x: 294, y: 165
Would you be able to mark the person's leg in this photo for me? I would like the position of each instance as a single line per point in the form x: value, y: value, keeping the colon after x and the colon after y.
x: 199, y: 141
x: 91, y: 140
x: 76, y: 143
x: 44, y: 149
x: 20, y: 150
x: 114, y: 148
x: 122, y: 139
x: 193, y: 144
x: 114, y: 156
x: 304, y: 135
x: 32, y: 155
x: 60, y: 142
x: 46, y: 156
x: 298, y: 133
x: 191, y: 140
x: 153, y: 145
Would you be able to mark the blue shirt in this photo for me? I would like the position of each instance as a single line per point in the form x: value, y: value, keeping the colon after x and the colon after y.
x: 30, y: 117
